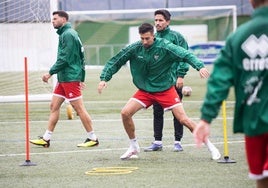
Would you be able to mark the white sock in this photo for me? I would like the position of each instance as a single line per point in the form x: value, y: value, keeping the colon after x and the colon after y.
x: 134, y: 143
x: 91, y: 135
x: 177, y: 142
x: 47, y: 135
x: 210, y: 146
x: 158, y: 142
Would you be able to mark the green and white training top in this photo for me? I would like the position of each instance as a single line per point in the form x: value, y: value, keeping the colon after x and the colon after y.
x: 243, y: 63
x: 151, y: 68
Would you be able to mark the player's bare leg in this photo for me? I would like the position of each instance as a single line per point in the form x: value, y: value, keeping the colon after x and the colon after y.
x: 82, y: 113
x: 85, y: 118
x: 263, y: 183
x: 55, y: 105
x: 127, y: 112
x: 180, y: 114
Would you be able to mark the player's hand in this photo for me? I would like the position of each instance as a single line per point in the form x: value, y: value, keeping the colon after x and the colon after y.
x: 46, y: 77
x: 204, y: 73
x: 201, y: 132
x: 82, y: 85
x: 101, y: 85
x: 179, y: 82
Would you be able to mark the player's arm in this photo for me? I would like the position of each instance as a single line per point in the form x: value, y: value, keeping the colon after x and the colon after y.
x: 181, y: 54
x: 113, y: 65
x: 182, y: 70
x: 64, y: 55
x: 218, y: 86
x: 183, y: 67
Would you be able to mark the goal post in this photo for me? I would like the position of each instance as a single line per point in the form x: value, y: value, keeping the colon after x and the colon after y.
x: 26, y: 31
x: 231, y: 8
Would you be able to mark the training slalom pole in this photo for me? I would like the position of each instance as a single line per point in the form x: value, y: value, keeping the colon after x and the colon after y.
x: 226, y: 158
x: 27, y: 150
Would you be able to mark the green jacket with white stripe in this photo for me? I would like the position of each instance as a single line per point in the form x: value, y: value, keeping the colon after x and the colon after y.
x: 70, y: 65
x: 242, y: 63
x: 178, y: 39
x: 151, y: 68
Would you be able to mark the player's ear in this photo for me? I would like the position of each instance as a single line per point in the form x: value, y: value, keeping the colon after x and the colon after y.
x: 168, y: 22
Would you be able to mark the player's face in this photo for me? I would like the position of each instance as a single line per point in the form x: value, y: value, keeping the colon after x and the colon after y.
x: 58, y: 21
x: 147, y: 39
x: 160, y: 23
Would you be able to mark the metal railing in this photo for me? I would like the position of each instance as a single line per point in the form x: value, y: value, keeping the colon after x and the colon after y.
x: 100, y: 54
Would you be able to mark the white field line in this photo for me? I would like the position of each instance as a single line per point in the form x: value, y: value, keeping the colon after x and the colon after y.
x: 125, y: 101
x: 104, y: 120
x: 104, y: 150
x: 110, y: 120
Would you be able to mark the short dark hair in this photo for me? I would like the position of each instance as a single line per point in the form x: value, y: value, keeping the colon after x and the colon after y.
x: 146, y: 27
x: 163, y: 12
x: 260, y: 2
x: 61, y: 13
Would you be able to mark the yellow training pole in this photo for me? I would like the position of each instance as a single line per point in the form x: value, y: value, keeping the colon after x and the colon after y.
x: 226, y: 151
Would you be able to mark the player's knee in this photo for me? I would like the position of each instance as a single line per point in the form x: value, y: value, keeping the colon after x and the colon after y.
x: 53, y: 107
x: 79, y: 110
x: 125, y: 114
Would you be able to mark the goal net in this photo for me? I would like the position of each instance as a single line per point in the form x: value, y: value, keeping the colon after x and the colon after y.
x: 105, y: 32
x: 26, y: 31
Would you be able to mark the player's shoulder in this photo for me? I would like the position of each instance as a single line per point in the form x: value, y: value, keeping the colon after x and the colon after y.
x: 162, y: 43
x: 70, y: 33
x: 173, y: 32
x: 133, y: 46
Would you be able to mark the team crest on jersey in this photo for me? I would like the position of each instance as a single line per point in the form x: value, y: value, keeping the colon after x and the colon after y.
x: 156, y: 56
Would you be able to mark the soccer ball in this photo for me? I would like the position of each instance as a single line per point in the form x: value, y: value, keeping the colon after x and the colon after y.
x: 187, y: 91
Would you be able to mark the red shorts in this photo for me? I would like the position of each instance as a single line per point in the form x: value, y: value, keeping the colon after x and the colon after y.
x: 257, y: 156
x: 68, y: 90
x: 167, y: 99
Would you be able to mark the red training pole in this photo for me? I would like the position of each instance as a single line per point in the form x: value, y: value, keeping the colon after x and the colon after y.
x: 27, y: 161
x: 26, y: 109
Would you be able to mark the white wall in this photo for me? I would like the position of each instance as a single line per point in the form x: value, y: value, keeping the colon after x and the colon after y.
x: 36, y: 41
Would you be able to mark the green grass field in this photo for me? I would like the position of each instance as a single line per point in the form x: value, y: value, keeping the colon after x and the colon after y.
x: 64, y: 165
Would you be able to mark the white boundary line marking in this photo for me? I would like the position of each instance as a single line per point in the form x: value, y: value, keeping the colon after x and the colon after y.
x: 105, y: 120
x: 102, y: 150
x: 110, y: 120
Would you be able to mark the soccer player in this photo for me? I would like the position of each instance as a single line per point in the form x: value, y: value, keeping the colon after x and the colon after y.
x: 244, y: 62
x: 151, y: 61
x: 162, y: 21
x: 70, y: 71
